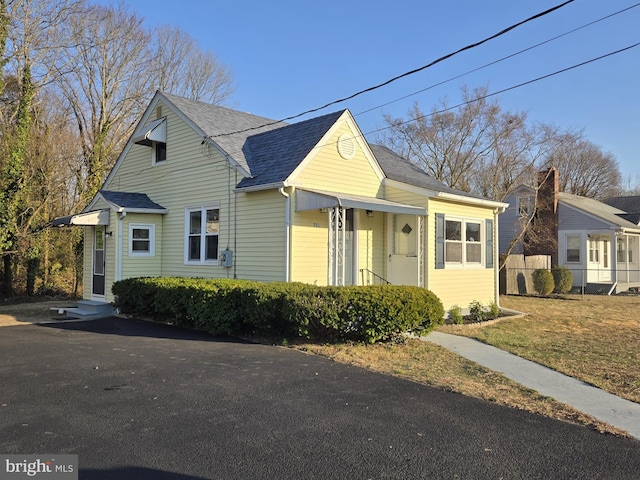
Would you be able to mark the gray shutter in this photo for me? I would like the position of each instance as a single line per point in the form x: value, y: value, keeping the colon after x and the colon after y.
x: 489, y: 246
x: 439, y: 240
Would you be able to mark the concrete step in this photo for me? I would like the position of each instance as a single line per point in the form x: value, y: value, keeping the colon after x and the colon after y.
x: 87, y: 309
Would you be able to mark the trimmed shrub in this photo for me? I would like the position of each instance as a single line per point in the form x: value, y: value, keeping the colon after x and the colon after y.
x: 562, y: 279
x: 494, y: 310
x: 367, y: 313
x: 478, y: 312
x: 543, y: 281
x: 455, y: 314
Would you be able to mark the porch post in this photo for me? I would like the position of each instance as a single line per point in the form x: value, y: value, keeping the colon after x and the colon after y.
x: 420, y: 237
x: 337, y: 245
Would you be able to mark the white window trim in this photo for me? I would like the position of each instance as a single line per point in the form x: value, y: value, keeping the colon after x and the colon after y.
x: 203, y: 210
x: 152, y: 239
x: 581, y: 253
x: 463, y: 242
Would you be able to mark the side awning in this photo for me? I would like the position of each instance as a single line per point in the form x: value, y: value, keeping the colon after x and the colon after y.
x: 95, y: 217
x: 314, y: 199
x: 155, y: 131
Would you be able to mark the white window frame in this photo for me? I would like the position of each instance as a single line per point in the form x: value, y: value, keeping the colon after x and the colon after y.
x: 566, y: 248
x: 154, y: 158
x: 203, y: 235
x: 463, y: 242
x: 152, y: 239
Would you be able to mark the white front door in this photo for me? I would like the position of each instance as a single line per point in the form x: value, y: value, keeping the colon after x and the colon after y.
x: 403, y: 258
x: 599, y: 259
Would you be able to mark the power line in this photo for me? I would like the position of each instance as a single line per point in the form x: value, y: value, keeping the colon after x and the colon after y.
x: 499, y: 60
x: 406, y: 74
x: 513, y: 87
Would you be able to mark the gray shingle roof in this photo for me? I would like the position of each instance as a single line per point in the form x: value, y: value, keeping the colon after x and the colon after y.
x: 400, y: 169
x: 214, y: 120
x: 599, y: 209
x: 630, y: 204
x: 129, y: 200
x: 274, y: 155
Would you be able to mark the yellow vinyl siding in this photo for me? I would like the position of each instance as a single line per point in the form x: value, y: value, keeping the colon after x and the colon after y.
x: 87, y: 262
x: 458, y: 285
x: 328, y: 171
x: 142, y: 266
x: 309, y: 247
x: 260, y: 235
x: 371, y: 244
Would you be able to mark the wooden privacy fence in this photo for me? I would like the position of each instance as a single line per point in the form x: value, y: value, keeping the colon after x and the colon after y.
x: 516, y: 276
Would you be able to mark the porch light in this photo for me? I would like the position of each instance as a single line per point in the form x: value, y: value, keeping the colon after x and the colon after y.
x: 369, y: 213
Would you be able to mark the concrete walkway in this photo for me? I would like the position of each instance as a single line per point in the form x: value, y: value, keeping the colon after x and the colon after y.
x: 593, y: 401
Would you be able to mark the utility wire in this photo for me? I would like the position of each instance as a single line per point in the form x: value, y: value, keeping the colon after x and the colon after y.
x: 498, y: 61
x: 406, y: 74
x: 513, y: 87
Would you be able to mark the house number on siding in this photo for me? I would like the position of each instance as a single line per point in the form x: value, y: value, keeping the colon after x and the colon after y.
x: 316, y: 225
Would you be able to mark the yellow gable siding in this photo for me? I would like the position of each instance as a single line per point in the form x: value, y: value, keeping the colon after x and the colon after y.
x: 195, y: 177
x: 328, y: 171
x: 457, y: 285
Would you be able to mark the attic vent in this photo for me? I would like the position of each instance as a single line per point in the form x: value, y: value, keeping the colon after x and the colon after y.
x: 158, y: 111
x: 346, y: 146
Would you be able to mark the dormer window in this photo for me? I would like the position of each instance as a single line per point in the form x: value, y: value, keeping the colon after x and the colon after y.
x: 159, y: 152
x: 154, y: 135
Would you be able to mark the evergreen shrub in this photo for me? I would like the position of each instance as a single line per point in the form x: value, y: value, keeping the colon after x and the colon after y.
x: 222, y: 306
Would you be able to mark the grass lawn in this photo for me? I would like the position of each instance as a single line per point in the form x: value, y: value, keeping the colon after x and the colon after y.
x: 596, y: 340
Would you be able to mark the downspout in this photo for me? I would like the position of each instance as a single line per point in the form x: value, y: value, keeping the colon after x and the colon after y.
x: 287, y: 228
x: 119, y: 246
x: 496, y: 253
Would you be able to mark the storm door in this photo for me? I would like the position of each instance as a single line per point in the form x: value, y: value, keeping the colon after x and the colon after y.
x: 98, y: 282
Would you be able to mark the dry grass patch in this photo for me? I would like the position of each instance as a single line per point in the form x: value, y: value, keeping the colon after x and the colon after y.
x: 435, y: 366
x: 596, y: 340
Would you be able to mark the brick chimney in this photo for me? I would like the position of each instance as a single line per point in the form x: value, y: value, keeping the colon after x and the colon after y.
x: 548, y: 187
x: 542, y: 235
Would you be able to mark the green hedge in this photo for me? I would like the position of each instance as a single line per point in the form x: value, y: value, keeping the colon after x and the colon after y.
x: 562, y: 279
x: 367, y: 313
x: 543, y: 281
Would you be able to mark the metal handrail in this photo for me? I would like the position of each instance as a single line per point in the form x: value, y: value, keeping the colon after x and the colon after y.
x: 375, y: 276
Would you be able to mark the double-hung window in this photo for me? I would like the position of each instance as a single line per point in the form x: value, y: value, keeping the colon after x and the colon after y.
x: 463, y: 242
x: 141, y: 240
x: 201, y: 238
x: 573, y: 248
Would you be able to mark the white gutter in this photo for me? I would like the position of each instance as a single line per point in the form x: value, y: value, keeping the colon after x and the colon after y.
x: 266, y: 186
x: 475, y: 201
x: 287, y: 223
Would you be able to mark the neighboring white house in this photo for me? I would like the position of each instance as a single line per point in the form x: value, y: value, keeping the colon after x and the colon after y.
x: 599, y: 243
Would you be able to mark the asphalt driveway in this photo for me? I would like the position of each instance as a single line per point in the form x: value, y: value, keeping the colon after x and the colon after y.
x: 139, y: 400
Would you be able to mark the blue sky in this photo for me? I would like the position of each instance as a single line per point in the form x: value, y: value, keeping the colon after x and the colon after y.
x: 290, y: 56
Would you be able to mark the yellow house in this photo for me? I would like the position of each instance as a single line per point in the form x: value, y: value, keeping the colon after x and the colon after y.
x: 205, y: 191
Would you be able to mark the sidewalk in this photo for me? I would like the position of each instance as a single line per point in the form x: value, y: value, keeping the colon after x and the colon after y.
x: 593, y: 401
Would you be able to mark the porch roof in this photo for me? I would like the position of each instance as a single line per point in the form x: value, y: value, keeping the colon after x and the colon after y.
x: 315, y: 199
x: 94, y: 217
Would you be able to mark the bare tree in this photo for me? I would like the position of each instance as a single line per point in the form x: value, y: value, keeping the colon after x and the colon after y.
x: 584, y: 168
x: 108, y: 85
x: 182, y: 68
x: 475, y: 147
